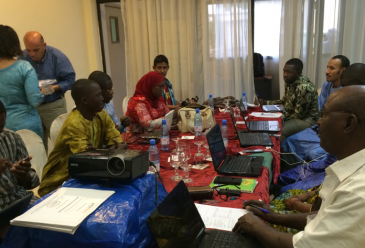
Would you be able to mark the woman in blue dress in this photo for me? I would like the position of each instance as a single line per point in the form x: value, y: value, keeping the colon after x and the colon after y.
x: 19, y: 89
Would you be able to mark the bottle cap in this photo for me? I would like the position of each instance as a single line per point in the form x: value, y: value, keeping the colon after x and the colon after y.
x: 210, y: 95
x: 152, y: 142
x: 224, y: 122
x: 163, y: 121
x: 244, y: 94
x: 197, y: 111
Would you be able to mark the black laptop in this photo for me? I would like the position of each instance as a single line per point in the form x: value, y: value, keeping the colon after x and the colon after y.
x: 176, y: 223
x: 271, y: 108
x: 258, y: 126
x: 250, y: 139
x: 231, y: 165
x: 15, y: 209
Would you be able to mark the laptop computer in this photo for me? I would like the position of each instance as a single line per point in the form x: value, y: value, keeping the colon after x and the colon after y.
x: 258, y: 126
x: 271, y: 108
x: 176, y: 223
x: 224, y: 164
x: 250, y: 139
x: 15, y: 209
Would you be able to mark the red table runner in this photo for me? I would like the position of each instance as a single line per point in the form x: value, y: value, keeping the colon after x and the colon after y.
x: 206, y: 176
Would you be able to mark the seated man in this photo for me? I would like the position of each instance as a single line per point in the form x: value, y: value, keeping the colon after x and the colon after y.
x: 300, y: 100
x: 161, y: 65
x: 106, y: 85
x: 306, y: 143
x: 340, y: 220
x: 16, y: 175
x: 88, y: 126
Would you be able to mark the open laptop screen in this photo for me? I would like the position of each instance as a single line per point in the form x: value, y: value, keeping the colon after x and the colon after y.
x: 216, y: 145
x: 176, y: 222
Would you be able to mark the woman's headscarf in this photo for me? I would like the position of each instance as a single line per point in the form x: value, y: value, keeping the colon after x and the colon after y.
x: 146, y: 84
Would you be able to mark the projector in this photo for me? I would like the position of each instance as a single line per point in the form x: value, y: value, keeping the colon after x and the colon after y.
x: 102, y: 166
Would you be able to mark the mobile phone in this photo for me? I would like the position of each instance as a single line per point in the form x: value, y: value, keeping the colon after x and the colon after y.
x: 253, y: 151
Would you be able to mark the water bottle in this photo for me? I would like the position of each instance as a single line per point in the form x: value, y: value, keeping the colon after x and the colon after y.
x: 211, y: 102
x: 153, y: 155
x: 244, y: 100
x: 224, y: 131
x: 198, y: 123
x: 165, y: 139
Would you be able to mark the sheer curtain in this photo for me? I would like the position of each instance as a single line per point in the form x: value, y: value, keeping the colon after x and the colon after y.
x: 267, y: 35
x: 227, y: 48
x: 168, y: 27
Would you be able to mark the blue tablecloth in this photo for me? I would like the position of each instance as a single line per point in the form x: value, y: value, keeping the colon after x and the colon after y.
x: 119, y: 222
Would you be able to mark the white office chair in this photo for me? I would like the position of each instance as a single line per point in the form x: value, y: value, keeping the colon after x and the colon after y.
x: 35, y: 148
x: 125, y: 104
x: 55, y: 130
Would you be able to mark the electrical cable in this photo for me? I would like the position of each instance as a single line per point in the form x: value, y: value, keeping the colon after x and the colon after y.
x: 157, y: 174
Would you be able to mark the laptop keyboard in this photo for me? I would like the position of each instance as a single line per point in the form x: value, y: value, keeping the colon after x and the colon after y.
x: 259, y: 125
x: 250, y: 138
x: 236, y: 163
x: 227, y: 239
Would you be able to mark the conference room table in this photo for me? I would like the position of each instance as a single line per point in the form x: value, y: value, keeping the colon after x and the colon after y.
x: 269, y: 173
x: 121, y: 220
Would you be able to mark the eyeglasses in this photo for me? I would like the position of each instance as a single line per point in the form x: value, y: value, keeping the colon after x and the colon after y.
x: 322, y: 113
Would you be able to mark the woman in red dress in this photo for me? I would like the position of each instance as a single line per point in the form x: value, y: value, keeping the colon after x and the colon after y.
x: 147, y: 107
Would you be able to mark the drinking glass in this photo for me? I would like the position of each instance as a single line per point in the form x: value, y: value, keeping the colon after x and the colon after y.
x: 206, y: 146
x: 186, y: 166
x: 237, y: 110
x: 226, y: 102
x: 175, y: 161
x: 199, y: 156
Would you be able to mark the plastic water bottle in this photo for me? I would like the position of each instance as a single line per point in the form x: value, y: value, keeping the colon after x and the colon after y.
x: 165, y: 138
x: 198, y: 123
x: 244, y: 99
x: 153, y: 155
x: 224, y: 131
x: 211, y: 102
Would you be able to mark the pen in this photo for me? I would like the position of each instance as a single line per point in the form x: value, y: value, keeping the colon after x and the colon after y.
x: 262, y: 209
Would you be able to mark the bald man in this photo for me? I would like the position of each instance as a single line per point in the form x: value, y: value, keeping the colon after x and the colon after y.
x: 88, y: 126
x: 340, y: 221
x: 49, y: 63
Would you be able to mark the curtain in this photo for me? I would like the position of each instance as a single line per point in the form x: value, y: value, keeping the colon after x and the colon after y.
x: 227, y: 48
x: 168, y: 27
x: 266, y: 38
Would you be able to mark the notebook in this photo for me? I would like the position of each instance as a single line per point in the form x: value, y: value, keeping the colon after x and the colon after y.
x: 258, y: 126
x: 176, y: 223
x: 231, y: 165
x: 250, y: 139
x: 246, y: 186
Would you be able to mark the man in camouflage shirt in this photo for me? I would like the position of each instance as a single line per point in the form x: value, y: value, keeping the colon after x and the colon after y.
x: 300, y: 100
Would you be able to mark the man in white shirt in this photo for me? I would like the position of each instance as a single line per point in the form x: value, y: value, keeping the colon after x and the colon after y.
x: 340, y: 221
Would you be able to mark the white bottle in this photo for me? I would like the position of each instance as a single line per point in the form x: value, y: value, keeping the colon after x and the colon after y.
x: 198, y: 123
x: 211, y: 102
x: 165, y: 138
x: 244, y: 100
x: 224, y: 131
x: 153, y: 154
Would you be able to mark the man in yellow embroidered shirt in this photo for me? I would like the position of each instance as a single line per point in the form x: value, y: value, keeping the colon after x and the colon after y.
x: 88, y: 126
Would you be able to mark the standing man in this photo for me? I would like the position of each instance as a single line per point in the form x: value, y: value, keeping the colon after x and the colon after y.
x: 161, y: 65
x: 300, y: 100
x: 49, y: 64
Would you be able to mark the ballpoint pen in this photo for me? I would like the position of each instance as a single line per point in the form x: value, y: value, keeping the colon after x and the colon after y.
x: 262, y: 209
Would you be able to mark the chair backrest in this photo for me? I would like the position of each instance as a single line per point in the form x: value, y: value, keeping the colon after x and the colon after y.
x: 55, y: 130
x: 35, y: 148
x: 125, y: 104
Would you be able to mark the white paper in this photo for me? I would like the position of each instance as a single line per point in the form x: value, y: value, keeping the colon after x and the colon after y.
x: 64, y: 210
x: 252, y: 105
x: 220, y: 217
x: 188, y: 137
x: 266, y: 115
x: 240, y: 122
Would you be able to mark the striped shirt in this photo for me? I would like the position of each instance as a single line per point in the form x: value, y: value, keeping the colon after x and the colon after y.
x: 12, y: 147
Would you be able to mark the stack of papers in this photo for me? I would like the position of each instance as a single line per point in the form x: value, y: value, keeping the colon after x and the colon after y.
x: 64, y: 210
x: 220, y: 217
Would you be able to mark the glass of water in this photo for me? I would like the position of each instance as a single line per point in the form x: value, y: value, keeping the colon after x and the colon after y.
x: 175, y: 161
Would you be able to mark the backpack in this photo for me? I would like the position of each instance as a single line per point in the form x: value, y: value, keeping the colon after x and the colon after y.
x: 258, y: 65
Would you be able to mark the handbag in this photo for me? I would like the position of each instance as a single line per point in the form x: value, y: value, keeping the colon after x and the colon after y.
x: 200, y: 192
x: 186, y: 117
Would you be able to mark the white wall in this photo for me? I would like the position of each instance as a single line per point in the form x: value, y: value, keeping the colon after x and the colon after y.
x: 69, y: 25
